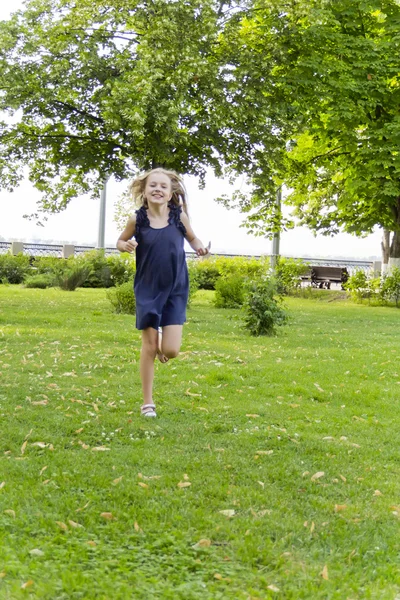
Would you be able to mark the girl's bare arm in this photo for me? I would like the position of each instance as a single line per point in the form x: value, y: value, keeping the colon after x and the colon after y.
x: 125, y: 243
x: 195, y: 243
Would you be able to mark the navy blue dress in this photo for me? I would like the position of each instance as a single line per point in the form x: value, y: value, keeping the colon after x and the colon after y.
x: 161, y: 280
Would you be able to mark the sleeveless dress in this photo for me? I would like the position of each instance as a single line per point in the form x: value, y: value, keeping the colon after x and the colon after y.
x: 161, y: 281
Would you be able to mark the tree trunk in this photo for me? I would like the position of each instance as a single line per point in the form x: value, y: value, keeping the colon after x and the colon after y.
x: 385, y: 246
x: 394, y: 256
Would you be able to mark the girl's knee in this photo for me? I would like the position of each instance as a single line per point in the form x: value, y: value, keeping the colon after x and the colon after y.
x: 170, y: 352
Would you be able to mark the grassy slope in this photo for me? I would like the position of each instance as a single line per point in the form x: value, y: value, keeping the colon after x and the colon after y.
x: 323, y: 397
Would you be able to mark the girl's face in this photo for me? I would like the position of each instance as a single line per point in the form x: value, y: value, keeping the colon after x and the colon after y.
x: 158, y: 189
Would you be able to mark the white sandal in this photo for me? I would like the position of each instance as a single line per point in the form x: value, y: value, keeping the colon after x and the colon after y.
x: 147, y: 410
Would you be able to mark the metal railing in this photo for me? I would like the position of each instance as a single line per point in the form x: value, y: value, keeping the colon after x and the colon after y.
x: 32, y: 249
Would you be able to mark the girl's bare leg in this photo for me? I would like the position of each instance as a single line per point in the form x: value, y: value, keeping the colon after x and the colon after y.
x: 147, y: 356
x: 171, y: 340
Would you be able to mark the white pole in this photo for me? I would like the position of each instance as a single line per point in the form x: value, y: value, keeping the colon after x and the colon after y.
x: 102, y: 216
x: 277, y: 235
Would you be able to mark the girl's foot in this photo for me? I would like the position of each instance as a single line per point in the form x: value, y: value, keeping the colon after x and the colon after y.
x: 148, y: 410
x: 161, y: 357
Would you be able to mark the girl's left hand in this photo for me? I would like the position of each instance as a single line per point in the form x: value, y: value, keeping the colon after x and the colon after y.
x: 204, y: 251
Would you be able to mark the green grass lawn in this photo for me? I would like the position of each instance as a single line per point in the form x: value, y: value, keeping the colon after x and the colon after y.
x: 272, y: 471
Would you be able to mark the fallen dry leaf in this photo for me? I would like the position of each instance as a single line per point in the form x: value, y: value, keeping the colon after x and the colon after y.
x: 136, y: 526
x: 107, y: 515
x: 340, y: 507
x: 40, y: 444
x: 186, y: 477
x: 227, y: 513
x: 36, y: 552
x: 343, y: 478
x: 74, y: 524
x: 143, y: 485
x: 117, y: 481
x: 264, y: 452
x: 317, y: 475
x: 273, y: 588
x: 62, y: 525
x: 324, y: 573
x: 24, y: 446
x: 83, y: 507
x: 100, y: 449
x: 189, y: 393
x: 184, y: 484
x: 91, y: 543
x: 203, y: 543
x: 26, y: 584
x: 377, y: 493
x: 261, y: 483
x: 10, y: 512
x: 312, y: 527
x: 252, y: 416
x: 42, y: 470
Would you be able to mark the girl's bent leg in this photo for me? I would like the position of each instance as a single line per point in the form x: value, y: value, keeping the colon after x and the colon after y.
x: 147, y: 356
x: 171, y: 340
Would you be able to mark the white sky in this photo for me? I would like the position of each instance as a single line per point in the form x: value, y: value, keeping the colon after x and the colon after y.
x: 210, y: 221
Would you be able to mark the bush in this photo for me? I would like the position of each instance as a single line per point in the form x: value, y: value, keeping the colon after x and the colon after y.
x: 122, y: 268
x: 193, y: 280
x: 288, y: 274
x: 40, y: 280
x: 49, y: 265
x: 230, y: 292
x: 207, y: 272
x: 361, y: 286
x: 72, y: 277
x: 263, y: 308
x: 390, y: 287
x: 13, y: 269
x: 122, y: 298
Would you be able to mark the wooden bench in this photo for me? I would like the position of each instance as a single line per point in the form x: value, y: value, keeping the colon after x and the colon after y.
x: 323, y: 277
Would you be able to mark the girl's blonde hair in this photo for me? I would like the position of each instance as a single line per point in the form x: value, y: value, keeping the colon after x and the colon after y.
x: 179, y: 194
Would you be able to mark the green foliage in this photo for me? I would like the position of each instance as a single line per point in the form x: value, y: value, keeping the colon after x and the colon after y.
x: 288, y: 272
x: 230, y: 291
x: 207, y: 272
x: 390, y: 287
x: 39, y: 280
x: 122, y: 298
x: 193, y: 280
x: 104, y: 271
x: 13, y: 269
x: 72, y: 277
x: 263, y: 308
x: 115, y: 87
x: 49, y: 265
x: 362, y: 285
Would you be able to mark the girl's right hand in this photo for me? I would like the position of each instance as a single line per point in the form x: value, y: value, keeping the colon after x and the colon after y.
x: 130, y: 246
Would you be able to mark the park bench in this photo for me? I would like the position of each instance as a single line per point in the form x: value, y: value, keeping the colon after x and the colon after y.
x: 323, y: 277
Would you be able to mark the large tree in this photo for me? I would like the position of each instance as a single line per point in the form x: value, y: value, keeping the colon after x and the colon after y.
x: 334, y: 67
x: 97, y: 88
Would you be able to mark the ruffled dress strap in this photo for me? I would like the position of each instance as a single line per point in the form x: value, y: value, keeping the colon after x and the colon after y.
x: 175, y: 217
x: 142, y: 220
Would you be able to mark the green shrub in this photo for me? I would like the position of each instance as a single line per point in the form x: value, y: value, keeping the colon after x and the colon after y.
x: 248, y: 268
x: 230, y: 291
x: 288, y: 272
x: 73, y: 277
x: 99, y: 271
x: 362, y: 286
x: 13, y: 269
x: 193, y: 280
x: 40, y: 280
x: 390, y: 287
x: 263, y: 308
x: 122, y: 268
x: 49, y: 265
x: 122, y: 298
x: 207, y: 272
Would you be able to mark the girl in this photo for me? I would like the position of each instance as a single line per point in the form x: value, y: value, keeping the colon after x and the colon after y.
x: 161, y: 282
